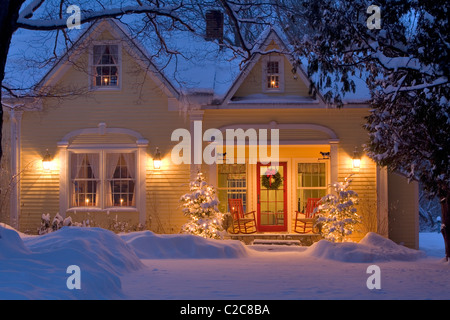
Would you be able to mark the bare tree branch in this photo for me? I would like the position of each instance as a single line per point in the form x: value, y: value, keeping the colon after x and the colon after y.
x: 169, y: 12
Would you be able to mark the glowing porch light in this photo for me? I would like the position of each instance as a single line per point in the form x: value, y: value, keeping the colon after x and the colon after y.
x: 356, y: 159
x: 157, y: 159
x: 47, y: 161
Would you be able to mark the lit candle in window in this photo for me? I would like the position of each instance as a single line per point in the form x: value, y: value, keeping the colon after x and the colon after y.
x: 87, y: 202
x: 106, y: 81
x: 121, y: 202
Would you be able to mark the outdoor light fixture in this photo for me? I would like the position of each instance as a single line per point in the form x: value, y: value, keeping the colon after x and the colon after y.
x: 325, y: 156
x: 47, y: 161
x: 356, y: 159
x: 157, y: 159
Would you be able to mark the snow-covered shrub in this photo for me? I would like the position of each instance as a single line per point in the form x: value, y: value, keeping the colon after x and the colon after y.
x: 118, y: 226
x: 200, y: 205
x: 337, y: 215
x: 57, y: 223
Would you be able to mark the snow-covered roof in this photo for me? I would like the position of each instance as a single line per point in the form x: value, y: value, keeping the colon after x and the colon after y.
x: 201, y: 67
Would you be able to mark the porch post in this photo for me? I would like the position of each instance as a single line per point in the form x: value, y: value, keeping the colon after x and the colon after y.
x: 334, y: 161
x: 195, y: 115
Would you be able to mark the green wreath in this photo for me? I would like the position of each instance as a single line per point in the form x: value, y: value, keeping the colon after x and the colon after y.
x: 274, y: 184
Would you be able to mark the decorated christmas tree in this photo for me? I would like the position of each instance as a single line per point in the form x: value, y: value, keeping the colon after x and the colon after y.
x: 337, y: 214
x: 200, y: 205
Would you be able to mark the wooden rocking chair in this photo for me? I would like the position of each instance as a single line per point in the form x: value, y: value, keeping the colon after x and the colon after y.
x: 242, y: 222
x: 304, y: 220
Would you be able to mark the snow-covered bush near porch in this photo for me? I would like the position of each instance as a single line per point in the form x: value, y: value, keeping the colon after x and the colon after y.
x: 57, y: 223
x: 200, y: 205
x: 111, y: 223
x: 337, y: 215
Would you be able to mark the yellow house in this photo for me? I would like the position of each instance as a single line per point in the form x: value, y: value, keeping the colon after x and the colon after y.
x: 102, y: 145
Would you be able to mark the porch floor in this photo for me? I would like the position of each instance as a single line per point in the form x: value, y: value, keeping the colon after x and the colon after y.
x: 306, y: 239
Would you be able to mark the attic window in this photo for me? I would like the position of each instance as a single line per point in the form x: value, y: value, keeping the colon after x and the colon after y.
x: 273, y: 77
x: 106, y: 65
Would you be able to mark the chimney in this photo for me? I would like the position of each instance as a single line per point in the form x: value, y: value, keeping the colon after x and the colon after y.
x: 214, y: 25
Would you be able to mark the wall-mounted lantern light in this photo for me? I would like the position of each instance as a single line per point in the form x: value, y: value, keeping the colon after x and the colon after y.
x: 356, y: 159
x: 47, y: 161
x: 157, y: 159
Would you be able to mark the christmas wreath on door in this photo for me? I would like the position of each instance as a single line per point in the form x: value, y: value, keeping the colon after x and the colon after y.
x: 271, y: 179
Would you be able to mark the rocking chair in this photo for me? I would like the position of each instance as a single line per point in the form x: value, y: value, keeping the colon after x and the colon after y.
x: 304, y: 220
x: 242, y: 222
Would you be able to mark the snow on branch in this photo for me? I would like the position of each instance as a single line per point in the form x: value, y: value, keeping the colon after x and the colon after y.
x: 55, y: 24
x: 396, y: 63
x: 30, y: 9
x: 436, y: 82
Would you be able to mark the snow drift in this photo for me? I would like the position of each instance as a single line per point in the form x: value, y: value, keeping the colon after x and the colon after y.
x: 148, y: 245
x: 36, y: 267
x: 372, y: 248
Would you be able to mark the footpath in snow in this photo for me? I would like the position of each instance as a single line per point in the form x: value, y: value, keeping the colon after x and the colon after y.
x: 144, y: 265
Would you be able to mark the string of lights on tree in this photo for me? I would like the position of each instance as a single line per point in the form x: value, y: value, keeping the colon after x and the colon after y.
x: 200, y: 205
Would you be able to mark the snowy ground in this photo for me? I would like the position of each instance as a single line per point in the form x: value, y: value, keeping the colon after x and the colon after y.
x: 144, y: 265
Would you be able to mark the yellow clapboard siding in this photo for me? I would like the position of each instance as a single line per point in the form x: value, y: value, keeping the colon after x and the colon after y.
x: 253, y: 83
x: 140, y: 105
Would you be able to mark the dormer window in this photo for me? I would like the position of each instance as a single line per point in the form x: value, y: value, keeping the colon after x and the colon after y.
x: 106, y: 66
x: 273, y: 75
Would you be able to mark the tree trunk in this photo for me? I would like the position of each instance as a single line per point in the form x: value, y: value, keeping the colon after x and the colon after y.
x: 9, y: 13
x: 445, y: 227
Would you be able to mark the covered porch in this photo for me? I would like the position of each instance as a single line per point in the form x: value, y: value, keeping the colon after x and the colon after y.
x: 277, y: 197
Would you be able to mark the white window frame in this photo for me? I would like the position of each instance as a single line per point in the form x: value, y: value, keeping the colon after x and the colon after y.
x: 91, y: 66
x: 71, y: 184
x: 101, y: 202
x: 281, y: 75
x: 295, y: 186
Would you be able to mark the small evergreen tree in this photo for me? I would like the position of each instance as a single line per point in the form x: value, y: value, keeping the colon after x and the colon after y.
x: 337, y: 213
x: 200, y: 205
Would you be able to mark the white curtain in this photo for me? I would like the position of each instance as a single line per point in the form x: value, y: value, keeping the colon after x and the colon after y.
x: 101, y: 50
x: 111, y: 164
x: 131, y: 166
x: 75, y: 169
x: 94, y: 162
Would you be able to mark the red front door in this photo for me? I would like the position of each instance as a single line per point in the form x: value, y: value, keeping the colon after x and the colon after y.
x: 272, y: 197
